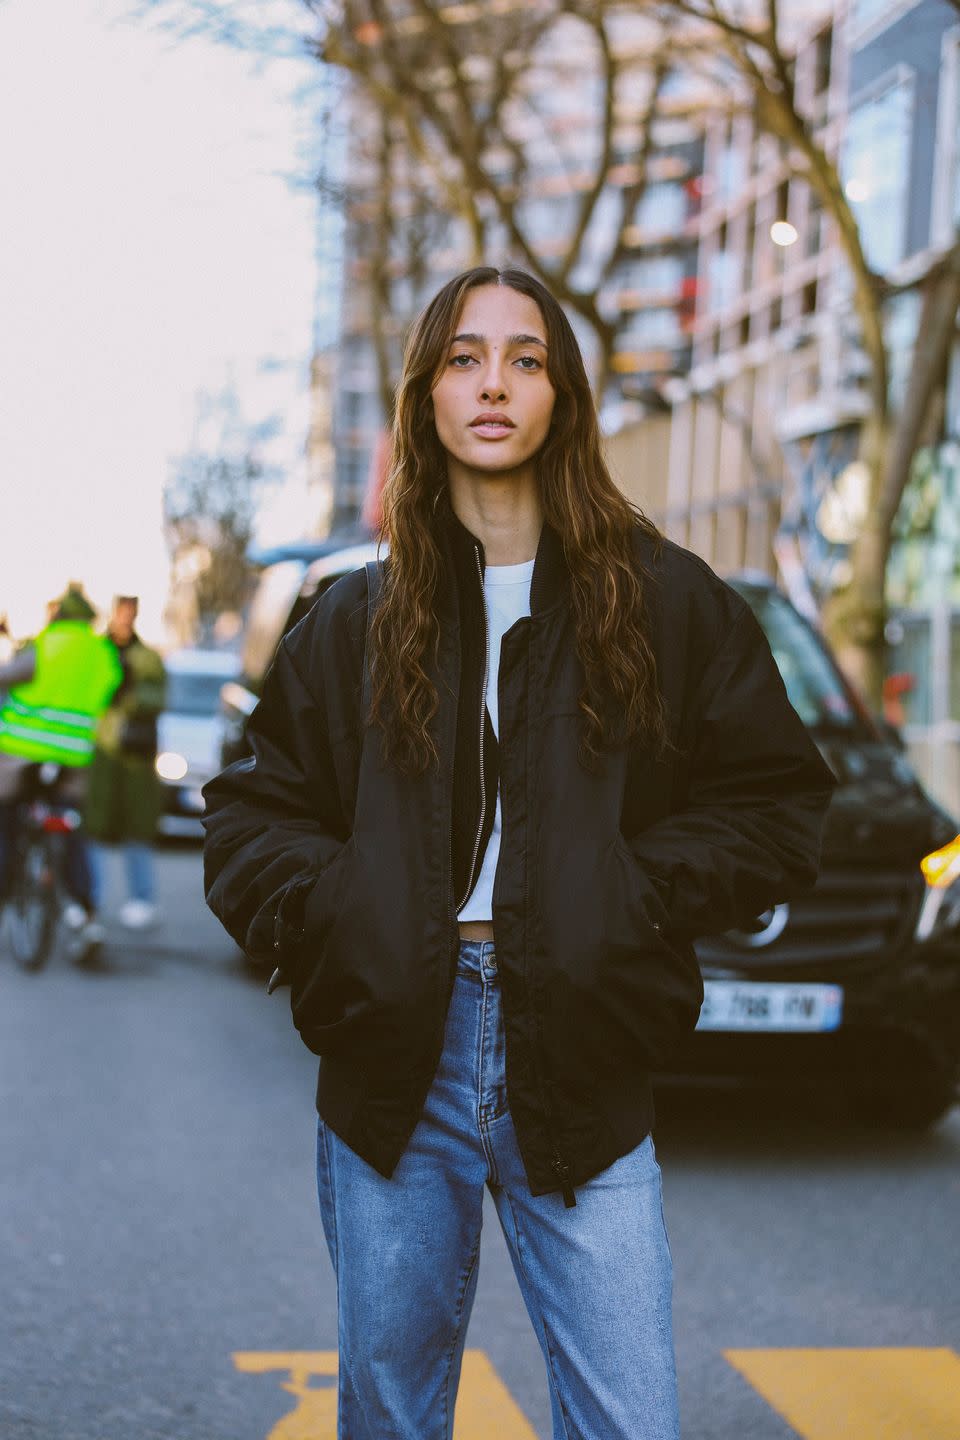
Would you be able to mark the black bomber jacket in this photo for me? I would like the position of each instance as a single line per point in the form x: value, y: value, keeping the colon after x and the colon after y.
x: 350, y: 872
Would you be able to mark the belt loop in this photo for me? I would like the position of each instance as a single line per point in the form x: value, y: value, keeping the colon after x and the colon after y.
x: 488, y: 959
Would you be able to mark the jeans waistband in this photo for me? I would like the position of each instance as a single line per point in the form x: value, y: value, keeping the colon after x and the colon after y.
x: 479, y: 959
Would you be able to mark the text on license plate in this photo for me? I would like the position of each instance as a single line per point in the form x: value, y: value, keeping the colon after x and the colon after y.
x: 769, y: 1005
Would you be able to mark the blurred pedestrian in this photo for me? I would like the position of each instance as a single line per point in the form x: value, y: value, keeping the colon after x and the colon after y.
x: 125, y: 794
x: 481, y: 858
x: 58, y: 685
x: 7, y: 646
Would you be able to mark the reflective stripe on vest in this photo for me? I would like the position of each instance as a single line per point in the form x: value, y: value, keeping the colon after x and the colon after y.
x: 46, y: 741
x: 72, y: 718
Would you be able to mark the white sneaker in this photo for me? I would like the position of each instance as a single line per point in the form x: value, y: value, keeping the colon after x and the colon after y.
x: 85, y: 939
x: 138, y: 914
x: 74, y: 916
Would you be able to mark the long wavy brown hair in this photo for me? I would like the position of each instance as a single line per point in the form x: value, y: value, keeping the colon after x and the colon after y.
x: 620, y: 696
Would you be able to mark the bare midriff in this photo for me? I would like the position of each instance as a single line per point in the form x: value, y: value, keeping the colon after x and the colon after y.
x: 476, y: 930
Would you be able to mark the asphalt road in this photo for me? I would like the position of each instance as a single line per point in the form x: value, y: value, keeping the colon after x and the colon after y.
x: 162, y: 1266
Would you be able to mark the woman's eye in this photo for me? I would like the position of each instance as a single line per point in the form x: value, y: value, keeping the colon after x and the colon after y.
x: 460, y: 362
x: 529, y: 362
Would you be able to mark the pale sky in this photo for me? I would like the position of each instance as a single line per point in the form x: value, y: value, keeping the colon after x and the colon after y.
x: 150, y: 247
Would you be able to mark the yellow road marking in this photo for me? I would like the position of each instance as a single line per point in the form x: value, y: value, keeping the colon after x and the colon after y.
x: 858, y: 1394
x: 311, y: 1378
x: 485, y: 1406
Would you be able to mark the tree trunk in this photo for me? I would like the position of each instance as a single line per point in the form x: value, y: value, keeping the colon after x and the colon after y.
x: 855, y: 617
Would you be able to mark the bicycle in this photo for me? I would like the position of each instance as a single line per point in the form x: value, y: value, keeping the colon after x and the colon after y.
x: 34, y: 900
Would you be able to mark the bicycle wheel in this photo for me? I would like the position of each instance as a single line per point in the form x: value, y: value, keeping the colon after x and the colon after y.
x: 33, y: 906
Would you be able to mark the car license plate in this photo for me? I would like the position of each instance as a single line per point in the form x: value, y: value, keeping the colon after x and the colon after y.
x: 769, y: 1005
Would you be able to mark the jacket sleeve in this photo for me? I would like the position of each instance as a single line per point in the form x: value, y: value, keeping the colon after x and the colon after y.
x: 748, y: 835
x: 19, y: 670
x: 273, y: 821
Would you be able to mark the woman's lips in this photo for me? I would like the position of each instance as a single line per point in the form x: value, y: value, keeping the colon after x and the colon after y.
x: 492, y: 429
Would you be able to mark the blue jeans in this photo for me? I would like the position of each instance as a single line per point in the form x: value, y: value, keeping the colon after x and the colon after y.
x: 138, y: 864
x: 596, y: 1279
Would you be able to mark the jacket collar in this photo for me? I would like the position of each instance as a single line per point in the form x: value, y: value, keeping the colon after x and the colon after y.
x: 551, y: 581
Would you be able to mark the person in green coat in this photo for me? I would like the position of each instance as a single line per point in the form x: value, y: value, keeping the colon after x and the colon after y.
x: 125, y: 794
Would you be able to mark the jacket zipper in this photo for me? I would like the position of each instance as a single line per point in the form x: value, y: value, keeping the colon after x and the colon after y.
x: 559, y: 1166
x: 483, y: 704
x: 455, y: 907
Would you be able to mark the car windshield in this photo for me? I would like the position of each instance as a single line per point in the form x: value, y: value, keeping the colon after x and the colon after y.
x: 813, y: 685
x: 193, y: 694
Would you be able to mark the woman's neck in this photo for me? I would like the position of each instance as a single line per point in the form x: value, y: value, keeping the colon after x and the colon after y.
x: 505, y: 517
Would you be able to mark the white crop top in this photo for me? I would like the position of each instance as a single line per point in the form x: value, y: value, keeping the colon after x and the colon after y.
x: 506, y: 591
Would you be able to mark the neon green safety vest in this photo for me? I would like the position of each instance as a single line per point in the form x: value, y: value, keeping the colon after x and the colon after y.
x: 54, y: 715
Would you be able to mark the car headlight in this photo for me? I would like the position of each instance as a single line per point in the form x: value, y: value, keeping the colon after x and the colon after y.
x: 941, y: 904
x: 170, y: 765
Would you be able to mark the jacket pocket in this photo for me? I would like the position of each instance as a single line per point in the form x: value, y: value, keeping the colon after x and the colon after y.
x: 331, y: 993
x: 306, y: 916
x: 325, y: 896
x: 633, y: 899
x: 650, y: 982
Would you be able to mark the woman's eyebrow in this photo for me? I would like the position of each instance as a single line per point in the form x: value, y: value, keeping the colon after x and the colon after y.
x: 473, y: 339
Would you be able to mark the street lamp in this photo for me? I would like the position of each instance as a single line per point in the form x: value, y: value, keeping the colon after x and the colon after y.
x: 783, y: 233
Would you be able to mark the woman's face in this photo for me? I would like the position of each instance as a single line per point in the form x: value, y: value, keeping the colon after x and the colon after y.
x: 493, y: 402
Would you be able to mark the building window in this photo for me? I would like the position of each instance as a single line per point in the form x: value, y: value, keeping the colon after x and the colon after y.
x: 866, y: 11
x: 750, y: 250
x: 813, y: 231
x: 722, y: 276
x: 663, y: 209
x: 945, y: 217
x: 649, y: 328
x: 731, y: 171
x: 875, y: 171
x: 901, y: 322
x: 952, y: 417
x: 821, y: 66
x: 875, y: 15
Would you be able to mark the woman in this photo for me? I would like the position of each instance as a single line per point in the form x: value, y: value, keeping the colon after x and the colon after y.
x: 481, y: 862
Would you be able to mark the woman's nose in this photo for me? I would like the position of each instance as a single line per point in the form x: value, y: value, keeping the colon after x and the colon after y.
x: 493, y: 386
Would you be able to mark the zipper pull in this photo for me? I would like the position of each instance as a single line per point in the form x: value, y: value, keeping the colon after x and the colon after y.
x: 562, y: 1171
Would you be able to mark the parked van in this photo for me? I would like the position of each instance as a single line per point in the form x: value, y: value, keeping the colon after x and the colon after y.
x: 857, y: 984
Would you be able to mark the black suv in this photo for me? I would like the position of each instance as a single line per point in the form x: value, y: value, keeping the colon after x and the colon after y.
x: 857, y: 985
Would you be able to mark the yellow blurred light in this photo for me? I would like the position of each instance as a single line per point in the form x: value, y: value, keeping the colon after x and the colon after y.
x: 941, y: 867
x: 783, y: 233
x: 171, y: 766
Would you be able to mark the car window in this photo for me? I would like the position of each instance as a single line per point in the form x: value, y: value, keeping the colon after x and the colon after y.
x: 270, y: 610
x: 814, y: 686
x: 193, y: 694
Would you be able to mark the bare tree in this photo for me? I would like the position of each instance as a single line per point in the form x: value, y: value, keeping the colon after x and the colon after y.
x: 757, y: 53
x: 459, y: 97
x: 210, y: 504
x: 459, y: 108
x: 208, y: 516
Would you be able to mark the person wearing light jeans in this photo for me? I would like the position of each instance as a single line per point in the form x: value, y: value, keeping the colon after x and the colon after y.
x: 125, y: 794
x: 498, y: 783
x: 596, y: 1278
